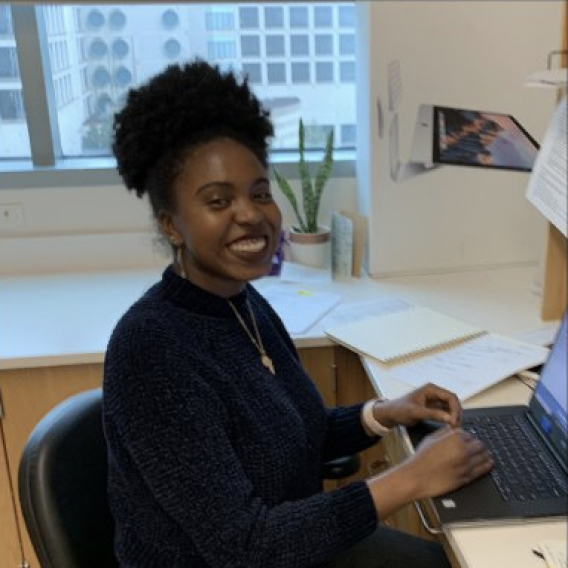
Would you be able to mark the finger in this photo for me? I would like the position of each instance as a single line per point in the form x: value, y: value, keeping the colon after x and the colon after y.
x: 478, y: 466
x: 445, y: 400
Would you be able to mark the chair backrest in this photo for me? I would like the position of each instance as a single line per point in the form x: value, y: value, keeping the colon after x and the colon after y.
x: 63, y: 486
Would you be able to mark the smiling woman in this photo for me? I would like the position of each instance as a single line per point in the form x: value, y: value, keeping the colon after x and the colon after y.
x: 216, y: 435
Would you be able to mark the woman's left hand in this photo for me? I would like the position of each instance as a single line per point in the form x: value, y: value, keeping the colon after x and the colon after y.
x: 429, y: 402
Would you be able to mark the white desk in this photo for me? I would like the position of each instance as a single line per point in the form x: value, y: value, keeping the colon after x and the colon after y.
x: 64, y: 319
x: 59, y: 320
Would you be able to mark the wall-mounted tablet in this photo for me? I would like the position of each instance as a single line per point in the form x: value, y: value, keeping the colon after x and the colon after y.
x: 463, y: 137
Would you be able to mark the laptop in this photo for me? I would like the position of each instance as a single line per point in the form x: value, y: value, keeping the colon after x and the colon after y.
x: 540, y: 467
x: 461, y: 137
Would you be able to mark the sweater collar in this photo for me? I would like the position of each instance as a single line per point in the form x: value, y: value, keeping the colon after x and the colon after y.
x: 188, y: 295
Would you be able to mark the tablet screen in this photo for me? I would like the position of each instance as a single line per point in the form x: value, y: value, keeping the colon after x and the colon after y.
x: 482, y: 139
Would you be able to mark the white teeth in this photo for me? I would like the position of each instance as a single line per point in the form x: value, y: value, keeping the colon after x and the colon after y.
x: 249, y: 245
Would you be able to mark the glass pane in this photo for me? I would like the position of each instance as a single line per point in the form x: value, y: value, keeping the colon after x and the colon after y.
x: 14, y: 137
x: 98, y: 52
x: 298, y: 17
x: 274, y: 45
x: 323, y: 17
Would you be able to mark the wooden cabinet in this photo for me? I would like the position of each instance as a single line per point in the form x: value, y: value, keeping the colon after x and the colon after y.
x: 28, y: 394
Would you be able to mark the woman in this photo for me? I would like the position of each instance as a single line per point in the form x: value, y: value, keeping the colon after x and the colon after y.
x: 216, y: 436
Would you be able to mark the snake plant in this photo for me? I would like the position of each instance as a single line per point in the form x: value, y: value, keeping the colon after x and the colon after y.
x: 311, y: 189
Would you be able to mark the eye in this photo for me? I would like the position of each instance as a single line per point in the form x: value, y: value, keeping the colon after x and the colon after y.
x: 263, y: 194
x: 218, y: 203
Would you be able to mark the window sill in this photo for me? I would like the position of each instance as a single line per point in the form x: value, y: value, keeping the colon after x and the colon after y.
x: 82, y: 172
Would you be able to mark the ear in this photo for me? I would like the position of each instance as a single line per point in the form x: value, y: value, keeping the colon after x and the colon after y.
x: 167, y: 227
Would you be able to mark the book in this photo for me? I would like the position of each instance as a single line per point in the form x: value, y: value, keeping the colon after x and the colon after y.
x: 395, y: 336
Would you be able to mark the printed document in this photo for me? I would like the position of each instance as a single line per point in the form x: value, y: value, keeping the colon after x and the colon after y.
x: 547, y: 184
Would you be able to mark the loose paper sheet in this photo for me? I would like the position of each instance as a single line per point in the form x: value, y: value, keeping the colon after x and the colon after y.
x: 299, y: 307
x: 547, y: 184
x: 472, y: 366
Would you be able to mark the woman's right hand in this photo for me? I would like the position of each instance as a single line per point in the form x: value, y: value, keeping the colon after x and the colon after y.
x: 448, y: 459
x: 444, y: 461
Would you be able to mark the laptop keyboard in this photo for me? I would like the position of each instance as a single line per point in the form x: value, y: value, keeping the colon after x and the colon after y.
x: 521, y: 471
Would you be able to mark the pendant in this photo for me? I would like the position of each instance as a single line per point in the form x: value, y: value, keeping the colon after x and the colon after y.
x: 267, y: 362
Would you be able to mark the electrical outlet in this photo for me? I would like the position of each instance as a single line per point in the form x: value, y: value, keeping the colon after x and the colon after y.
x: 11, y: 217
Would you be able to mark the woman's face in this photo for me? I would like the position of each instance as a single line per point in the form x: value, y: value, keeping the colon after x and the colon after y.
x: 225, y: 216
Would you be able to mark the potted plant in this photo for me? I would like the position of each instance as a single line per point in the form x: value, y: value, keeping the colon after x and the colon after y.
x: 309, y: 241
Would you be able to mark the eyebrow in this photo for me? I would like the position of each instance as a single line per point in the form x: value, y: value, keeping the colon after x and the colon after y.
x: 229, y: 185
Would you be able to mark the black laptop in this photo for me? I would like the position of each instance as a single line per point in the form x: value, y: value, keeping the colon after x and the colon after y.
x: 529, y: 446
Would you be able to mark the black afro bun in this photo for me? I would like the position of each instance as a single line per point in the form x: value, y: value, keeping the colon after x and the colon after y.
x: 182, y: 107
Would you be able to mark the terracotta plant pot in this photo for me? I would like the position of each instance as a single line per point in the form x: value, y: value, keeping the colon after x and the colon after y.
x: 311, y: 249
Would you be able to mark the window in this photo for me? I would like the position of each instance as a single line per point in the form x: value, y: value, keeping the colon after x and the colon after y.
x: 347, y: 16
x: 221, y: 49
x: 274, y: 17
x: 323, y: 17
x: 316, y: 134
x: 248, y: 18
x: 219, y: 21
x: 97, y: 52
x: 347, y: 71
x: 298, y: 17
x: 172, y: 48
x: 117, y: 20
x: 275, y: 46
x: 299, y: 44
x: 8, y: 63
x: 346, y: 44
x: 5, y: 21
x: 11, y: 105
x: 300, y: 73
x: 254, y: 72
x: 170, y: 19
x: 250, y: 46
x: 276, y: 73
x: 324, y: 72
x: 348, y: 135
x: 324, y: 44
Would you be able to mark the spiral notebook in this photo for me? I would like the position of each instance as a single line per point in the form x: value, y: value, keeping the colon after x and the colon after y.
x: 396, y: 336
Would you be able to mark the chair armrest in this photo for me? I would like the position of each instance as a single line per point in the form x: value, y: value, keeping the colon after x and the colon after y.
x: 341, y: 467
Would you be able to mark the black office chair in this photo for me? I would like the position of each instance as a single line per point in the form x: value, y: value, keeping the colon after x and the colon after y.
x: 63, y: 486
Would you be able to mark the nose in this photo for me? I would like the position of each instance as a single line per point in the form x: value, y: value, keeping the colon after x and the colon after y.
x: 247, y: 212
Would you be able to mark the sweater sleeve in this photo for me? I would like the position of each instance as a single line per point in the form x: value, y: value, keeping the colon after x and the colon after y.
x: 345, y: 432
x: 184, y: 454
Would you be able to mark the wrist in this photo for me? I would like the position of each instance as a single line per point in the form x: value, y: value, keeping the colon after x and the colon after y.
x: 393, y: 489
x: 382, y: 412
x: 373, y: 420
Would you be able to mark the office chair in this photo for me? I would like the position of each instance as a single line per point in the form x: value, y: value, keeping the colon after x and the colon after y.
x: 63, y: 485
x: 63, y: 488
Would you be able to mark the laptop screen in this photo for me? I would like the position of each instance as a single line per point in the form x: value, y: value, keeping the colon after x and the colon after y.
x: 548, y: 404
x: 483, y: 139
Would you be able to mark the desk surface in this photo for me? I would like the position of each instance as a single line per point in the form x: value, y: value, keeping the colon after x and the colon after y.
x: 67, y: 319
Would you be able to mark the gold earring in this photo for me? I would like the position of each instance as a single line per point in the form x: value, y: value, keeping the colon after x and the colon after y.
x: 179, y: 261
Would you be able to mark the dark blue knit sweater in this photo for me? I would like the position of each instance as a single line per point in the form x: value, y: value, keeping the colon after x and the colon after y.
x: 213, y: 461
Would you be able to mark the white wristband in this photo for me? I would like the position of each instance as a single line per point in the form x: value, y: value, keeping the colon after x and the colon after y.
x: 369, y: 419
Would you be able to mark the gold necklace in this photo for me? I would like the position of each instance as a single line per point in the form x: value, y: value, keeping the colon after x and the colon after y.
x: 264, y: 358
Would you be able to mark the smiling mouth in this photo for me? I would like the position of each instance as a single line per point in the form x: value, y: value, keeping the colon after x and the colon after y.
x: 252, y: 245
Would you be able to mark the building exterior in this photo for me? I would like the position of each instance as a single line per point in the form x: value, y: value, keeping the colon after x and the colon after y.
x: 296, y: 55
